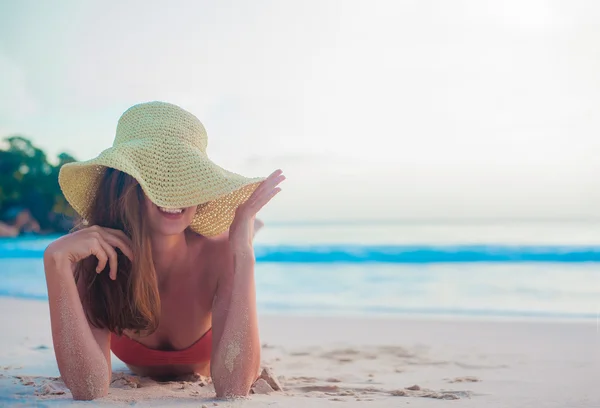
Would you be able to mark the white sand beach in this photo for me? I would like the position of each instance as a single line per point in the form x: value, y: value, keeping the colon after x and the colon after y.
x: 326, y: 361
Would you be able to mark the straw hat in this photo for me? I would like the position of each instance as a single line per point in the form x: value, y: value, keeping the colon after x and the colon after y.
x: 164, y: 148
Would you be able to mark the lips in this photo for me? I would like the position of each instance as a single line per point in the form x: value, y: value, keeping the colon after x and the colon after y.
x: 170, y: 210
x: 171, y: 213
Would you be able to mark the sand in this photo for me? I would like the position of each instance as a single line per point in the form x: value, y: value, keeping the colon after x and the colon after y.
x: 326, y: 361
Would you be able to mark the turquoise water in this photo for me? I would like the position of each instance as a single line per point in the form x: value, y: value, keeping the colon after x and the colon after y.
x: 540, y: 270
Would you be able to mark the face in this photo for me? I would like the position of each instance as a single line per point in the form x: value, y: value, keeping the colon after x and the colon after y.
x: 167, y: 221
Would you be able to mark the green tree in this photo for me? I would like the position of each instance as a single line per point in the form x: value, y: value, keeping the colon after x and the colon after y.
x: 28, y: 180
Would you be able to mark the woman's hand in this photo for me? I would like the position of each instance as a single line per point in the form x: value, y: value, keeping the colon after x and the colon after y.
x: 97, y: 241
x: 241, y: 231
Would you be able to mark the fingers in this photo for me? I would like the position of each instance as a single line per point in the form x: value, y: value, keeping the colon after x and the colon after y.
x: 274, y: 179
x: 117, y: 239
x: 263, y: 200
x: 112, y: 259
x: 106, y: 240
x: 98, y: 251
x: 265, y: 191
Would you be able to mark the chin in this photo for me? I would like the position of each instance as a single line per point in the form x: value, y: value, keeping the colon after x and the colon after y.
x: 168, y: 229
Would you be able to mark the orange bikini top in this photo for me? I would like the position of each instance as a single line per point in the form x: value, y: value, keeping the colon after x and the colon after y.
x: 135, y: 353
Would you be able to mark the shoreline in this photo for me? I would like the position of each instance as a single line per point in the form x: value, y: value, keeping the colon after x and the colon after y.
x: 462, y: 316
x: 330, y: 360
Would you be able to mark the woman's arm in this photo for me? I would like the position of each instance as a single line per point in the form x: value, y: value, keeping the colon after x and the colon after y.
x: 82, y: 351
x: 235, y: 361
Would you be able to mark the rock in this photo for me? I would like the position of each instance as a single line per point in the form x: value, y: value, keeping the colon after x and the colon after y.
x: 261, y: 387
x: 122, y: 380
x: 273, y: 382
x: 25, y: 380
x: 53, y: 389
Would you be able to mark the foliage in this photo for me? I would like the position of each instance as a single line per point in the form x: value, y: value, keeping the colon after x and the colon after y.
x: 28, y: 180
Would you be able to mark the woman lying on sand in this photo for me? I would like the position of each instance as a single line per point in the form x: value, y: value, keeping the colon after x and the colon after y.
x: 162, y: 272
x: 16, y: 220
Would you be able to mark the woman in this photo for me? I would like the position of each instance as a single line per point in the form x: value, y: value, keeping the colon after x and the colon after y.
x: 162, y: 273
x: 17, y: 220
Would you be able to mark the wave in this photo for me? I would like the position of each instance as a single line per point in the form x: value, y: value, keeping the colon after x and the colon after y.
x: 375, y: 253
x: 427, y: 254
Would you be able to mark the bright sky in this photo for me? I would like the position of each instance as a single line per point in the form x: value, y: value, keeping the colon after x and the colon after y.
x: 374, y: 109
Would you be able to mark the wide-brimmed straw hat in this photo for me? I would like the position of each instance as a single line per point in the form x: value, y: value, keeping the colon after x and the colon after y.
x: 163, y: 147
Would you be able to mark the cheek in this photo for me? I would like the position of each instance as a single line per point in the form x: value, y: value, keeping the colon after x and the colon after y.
x: 147, y: 206
x: 190, y: 213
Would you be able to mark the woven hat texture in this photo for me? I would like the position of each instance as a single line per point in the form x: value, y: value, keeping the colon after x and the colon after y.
x: 163, y: 147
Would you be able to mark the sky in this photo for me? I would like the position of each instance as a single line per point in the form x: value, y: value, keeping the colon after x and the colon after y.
x: 374, y: 110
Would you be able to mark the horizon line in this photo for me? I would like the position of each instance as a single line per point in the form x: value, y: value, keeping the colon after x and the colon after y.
x: 438, y: 221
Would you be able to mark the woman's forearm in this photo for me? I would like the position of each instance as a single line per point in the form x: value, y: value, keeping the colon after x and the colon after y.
x: 82, y: 364
x: 237, y: 359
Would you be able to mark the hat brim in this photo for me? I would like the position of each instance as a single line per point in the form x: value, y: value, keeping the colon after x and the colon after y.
x: 191, y: 179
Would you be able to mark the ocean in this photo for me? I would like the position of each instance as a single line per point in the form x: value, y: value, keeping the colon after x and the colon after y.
x: 541, y: 270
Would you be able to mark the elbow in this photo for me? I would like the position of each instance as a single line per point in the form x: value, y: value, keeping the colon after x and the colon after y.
x: 87, y: 380
x: 232, y: 386
x: 234, y: 389
x: 88, y: 393
x: 90, y: 387
x: 235, y: 385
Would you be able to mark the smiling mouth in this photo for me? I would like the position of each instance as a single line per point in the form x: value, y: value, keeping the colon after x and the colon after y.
x: 170, y: 210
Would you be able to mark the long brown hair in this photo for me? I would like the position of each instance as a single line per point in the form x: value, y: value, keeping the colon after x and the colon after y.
x: 131, y: 302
